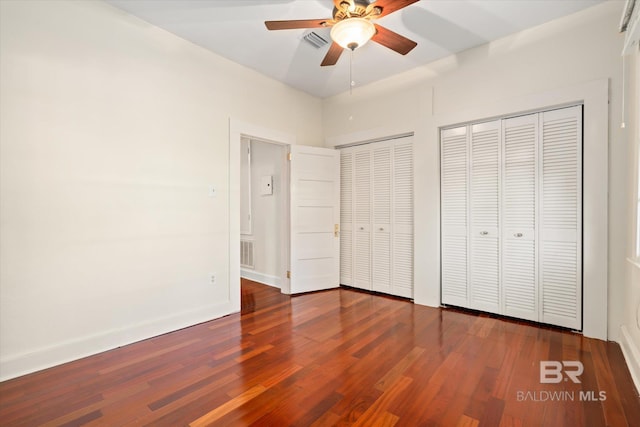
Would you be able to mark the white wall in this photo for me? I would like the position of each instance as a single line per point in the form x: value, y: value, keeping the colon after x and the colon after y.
x: 245, y: 186
x: 565, y: 60
x: 266, y: 160
x: 112, y: 131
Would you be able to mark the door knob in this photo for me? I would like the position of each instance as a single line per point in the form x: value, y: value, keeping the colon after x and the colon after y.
x: 484, y: 233
x: 518, y: 235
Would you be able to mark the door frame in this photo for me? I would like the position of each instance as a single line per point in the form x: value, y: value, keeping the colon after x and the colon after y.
x: 237, y: 130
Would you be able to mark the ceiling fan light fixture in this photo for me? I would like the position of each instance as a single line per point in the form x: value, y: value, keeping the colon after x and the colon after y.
x: 352, y: 33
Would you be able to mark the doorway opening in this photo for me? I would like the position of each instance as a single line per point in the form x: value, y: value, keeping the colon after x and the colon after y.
x: 263, y: 211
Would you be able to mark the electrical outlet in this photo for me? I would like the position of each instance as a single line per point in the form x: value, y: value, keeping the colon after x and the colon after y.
x: 212, y: 278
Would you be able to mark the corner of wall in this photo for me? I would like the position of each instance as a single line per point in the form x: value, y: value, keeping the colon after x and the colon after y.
x: 265, y: 279
x: 631, y: 356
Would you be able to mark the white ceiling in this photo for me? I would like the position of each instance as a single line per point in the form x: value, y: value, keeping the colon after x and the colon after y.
x: 235, y: 29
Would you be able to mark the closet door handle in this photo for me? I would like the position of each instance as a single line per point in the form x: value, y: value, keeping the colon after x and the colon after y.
x: 484, y: 233
x: 361, y: 228
x: 517, y: 235
x: 381, y: 229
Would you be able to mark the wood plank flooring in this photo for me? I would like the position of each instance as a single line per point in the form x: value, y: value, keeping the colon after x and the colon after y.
x: 340, y: 357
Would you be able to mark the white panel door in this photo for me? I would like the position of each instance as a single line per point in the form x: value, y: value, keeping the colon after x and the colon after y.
x: 519, y: 189
x: 346, y: 216
x: 362, y: 217
x: 402, y: 218
x: 454, y: 213
x: 561, y: 217
x: 381, y: 219
x: 315, y: 214
x: 484, y: 200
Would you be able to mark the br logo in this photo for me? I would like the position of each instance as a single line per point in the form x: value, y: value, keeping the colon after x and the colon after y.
x: 554, y: 372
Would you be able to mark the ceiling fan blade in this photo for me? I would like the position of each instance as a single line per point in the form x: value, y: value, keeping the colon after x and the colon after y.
x: 392, y: 40
x: 390, y: 6
x: 332, y: 56
x: 299, y: 23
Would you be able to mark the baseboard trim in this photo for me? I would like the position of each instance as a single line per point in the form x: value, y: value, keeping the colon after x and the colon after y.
x: 261, y: 278
x: 26, y: 363
x: 631, y: 355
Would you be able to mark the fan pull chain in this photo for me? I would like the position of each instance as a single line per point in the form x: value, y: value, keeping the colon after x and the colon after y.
x: 351, y: 82
x: 624, y: 72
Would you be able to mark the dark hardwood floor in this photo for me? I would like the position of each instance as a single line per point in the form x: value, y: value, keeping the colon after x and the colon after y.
x: 339, y: 357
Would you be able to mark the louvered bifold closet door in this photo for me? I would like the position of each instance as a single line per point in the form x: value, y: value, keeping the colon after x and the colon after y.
x: 484, y: 196
x: 453, y: 205
x: 519, y: 255
x: 561, y: 217
x: 381, y: 232
x: 402, y: 237
x: 362, y: 217
x: 346, y: 216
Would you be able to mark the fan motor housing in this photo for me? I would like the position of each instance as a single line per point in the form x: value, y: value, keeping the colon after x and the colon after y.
x: 360, y: 9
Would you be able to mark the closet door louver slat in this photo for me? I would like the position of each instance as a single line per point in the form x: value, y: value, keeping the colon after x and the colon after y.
x: 484, y: 196
x: 453, y: 179
x: 362, y: 233
x: 402, y: 255
x: 346, y: 217
x: 519, y: 280
x: 561, y: 217
x: 381, y: 262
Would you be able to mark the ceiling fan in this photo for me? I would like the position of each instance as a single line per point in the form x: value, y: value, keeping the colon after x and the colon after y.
x: 352, y: 26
